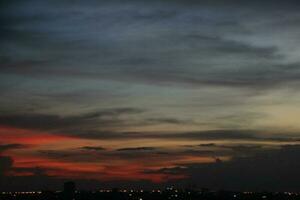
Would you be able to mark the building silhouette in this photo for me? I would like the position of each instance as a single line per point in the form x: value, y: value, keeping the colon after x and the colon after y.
x: 69, y: 190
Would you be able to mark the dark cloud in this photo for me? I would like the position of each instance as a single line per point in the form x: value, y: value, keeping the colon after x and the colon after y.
x: 96, y: 155
x: 93, y: 148
x: 102, y: 125
x: 53, y: 122
x: 157, y: 154
x: 273, y: 169
x: 62, y: 155
x: 96, y: 134
x: 4, y: 147
x: 207, y: 145
x: 193, y: 135
x: 137, y: 149
x: 212, y: 58
x: 173, y: 170
x: 34, y: 171
x: 226, y: 134
x: 99, y: 154
x: 244, y: 148
x: 218, y: 135
x: 212, y: 135
x: 6, y: 164
x: 168, y: 121
x: 205, y: 153
x: 229, y: 150
x: 270, y: 168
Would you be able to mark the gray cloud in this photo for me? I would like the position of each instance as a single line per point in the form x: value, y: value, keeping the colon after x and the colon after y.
x: 5, y: 147
x: 5, y: 165
x: 207, y: 145
x: 157, y: 154
x: 137, y: 149
x: 106, y: 117
x: 160, y: 120
x: 199, y: 55
x: 106, y: 156
x: 248, y: 135
x: 244, y: 148
x: 93, y: 148
x: 107, y: 124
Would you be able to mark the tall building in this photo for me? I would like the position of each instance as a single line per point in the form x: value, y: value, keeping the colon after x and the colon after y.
x: 69, y: 190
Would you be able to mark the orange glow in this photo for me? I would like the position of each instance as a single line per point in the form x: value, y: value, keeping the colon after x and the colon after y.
x: 26, y: 136
x: 101, y: 166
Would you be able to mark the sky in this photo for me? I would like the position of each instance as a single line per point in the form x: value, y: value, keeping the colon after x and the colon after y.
x: 145, y: 93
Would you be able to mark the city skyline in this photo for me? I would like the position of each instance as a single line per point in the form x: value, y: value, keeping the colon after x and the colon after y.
x: 150, y: 93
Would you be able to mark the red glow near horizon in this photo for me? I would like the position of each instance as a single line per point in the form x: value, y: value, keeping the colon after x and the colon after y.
x: 25, y: 136
x: 109, y: 169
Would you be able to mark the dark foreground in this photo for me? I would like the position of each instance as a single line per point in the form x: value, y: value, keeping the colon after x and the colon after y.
x: 168, y: 194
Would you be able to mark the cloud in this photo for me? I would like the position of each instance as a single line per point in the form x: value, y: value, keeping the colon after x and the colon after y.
x: 254, y: 135
x: 137, y: 149
x: 223, y: 135
x: 211, y: 135
x: 244, y: 148
x: 55, y: 122
x: 172, y: 170
x: 6, y: 164
x: 5, y: 147
x: 207, y: 145
x: 196, y: 48
x: 93, y: 148
x: 112, y: 124
x: 204, y: 153
x: 273, y: 169
x: 168, y: 121
x: 227, y: 134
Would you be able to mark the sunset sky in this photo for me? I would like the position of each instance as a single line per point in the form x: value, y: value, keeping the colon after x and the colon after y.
x: 149, y: 93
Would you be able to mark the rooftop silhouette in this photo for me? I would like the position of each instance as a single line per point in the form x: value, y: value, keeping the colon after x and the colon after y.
x: 169, y: 193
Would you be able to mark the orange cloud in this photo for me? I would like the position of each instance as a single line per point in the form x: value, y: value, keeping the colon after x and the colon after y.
x: 108, y: 167
x: 30, y: 137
